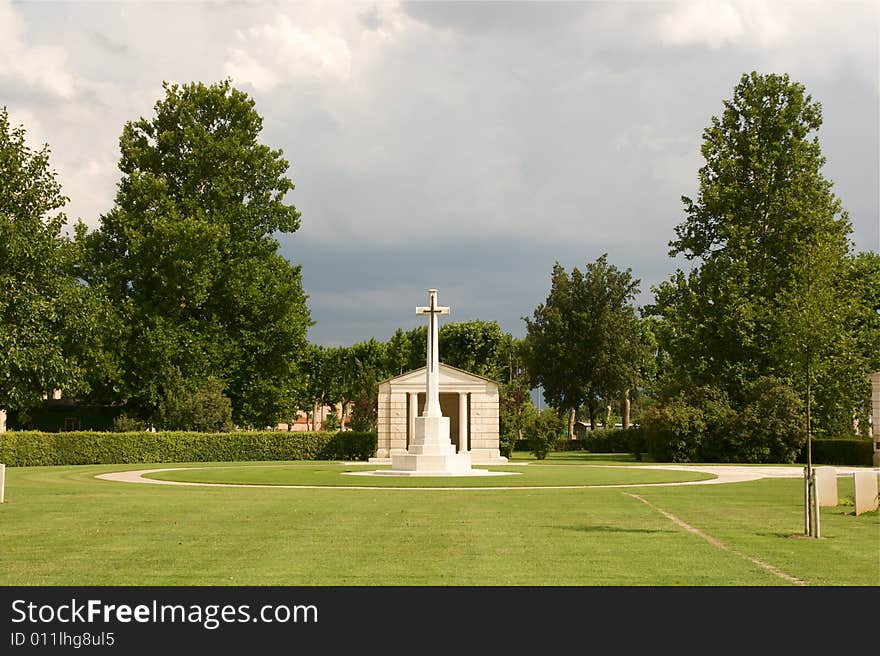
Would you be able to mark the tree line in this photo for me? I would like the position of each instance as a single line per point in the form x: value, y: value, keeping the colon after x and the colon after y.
x: 179, y: 303
x: 180, y: 292
x: 772, y: 330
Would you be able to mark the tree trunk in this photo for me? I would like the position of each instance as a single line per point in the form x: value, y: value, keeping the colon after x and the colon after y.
x: 811, y: 480
x: 809, y: 419
x: 518, y: 414
x: 572, y: 413
x: 607, y: 416
x: 626, y: 408
x: 591, y: 405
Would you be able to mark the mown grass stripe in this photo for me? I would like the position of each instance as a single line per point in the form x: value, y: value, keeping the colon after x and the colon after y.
x: 715, y: 542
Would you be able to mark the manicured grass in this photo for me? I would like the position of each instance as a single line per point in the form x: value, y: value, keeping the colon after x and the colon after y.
x: 61, y: 526
x: 334, y: 474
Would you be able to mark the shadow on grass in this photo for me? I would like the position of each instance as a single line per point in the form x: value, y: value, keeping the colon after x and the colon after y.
x: 614, y: 529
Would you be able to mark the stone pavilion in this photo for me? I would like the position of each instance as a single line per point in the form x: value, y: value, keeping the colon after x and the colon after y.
x: 469, y: 401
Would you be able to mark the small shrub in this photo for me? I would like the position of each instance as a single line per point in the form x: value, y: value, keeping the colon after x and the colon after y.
x: 512, y: 421
x: 506, y: 444
x: 770, y: 428
x: 364, y: 414
x: 635, y: 441
x: 331, y: 422
x: 203, y: 408
x: 718, y: 417
x: 700, y: 425
x: 126, y: 424
x: 612, y: 440
x: 673, y: 430
x: 543, y: 433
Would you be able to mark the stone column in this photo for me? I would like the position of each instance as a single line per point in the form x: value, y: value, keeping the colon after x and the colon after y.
x: 411, y: 418
x: 462, y: 422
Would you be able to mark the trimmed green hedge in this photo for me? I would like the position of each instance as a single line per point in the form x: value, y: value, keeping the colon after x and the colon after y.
x: 851, y: 452
x: 53, y: 415
x: 34, y: 448
x: 612, y: 440
x: 841, y: 452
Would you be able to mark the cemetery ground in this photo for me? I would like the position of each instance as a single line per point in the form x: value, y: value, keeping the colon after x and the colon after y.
x: 62, y: 526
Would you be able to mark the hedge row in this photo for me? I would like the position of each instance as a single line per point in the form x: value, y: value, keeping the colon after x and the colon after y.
x: 850, y: 452
x: 841, y: 452
x: 610, y: 440
x: 34, y: 448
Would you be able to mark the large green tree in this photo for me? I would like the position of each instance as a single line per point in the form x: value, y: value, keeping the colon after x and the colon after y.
x: 317, y: 382
x: 584, y: 344
x: 474, y: 346
x: 367, y: 367
x: 515, y: 409
x: 48, y: 318
x: 769, y: 240
x: 189, y: 258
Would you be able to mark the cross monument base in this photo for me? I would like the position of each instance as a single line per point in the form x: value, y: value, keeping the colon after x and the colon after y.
x: 431, y: 452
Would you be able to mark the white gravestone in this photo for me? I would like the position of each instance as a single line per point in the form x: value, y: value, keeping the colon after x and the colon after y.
x: 865, y: 491
x: 826, y: 486
x: 874, y: 429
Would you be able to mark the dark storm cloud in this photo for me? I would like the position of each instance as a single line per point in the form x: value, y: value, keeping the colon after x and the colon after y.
x: 483, y: 17
x: 107, y: 44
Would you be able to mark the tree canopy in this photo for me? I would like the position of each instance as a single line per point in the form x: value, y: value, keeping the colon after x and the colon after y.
x: 47, y: 316
x: 771, y: 245
x: 584, y: 344
x: 189, y: 258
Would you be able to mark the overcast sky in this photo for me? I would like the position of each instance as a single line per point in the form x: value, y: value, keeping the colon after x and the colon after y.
x: 464, y: 146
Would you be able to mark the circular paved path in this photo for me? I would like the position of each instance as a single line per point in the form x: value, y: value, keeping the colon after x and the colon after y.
x: 723, y: 474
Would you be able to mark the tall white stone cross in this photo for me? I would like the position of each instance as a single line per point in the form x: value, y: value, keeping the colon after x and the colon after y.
x: 432, y: 384
x: 431, y: 452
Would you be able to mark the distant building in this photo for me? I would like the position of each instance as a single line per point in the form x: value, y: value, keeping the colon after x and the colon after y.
x: 303, y: 422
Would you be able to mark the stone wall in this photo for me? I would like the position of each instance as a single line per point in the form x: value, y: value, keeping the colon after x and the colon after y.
x: 485, y: 429
x: 391, y: 419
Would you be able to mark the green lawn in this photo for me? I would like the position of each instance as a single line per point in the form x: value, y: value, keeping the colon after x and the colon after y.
x: 334, y: 474
x: 61, y: 526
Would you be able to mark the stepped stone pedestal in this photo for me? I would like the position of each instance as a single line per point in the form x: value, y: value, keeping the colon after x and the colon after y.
x: 431, y: 453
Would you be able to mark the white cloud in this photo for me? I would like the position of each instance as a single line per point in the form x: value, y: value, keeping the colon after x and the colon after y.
x: 281, y: 51
x: 717, y: 23
x: 809, y: 35
x: 42, y: 67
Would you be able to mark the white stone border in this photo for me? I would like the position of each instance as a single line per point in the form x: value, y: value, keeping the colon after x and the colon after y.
x: 723, y: 473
